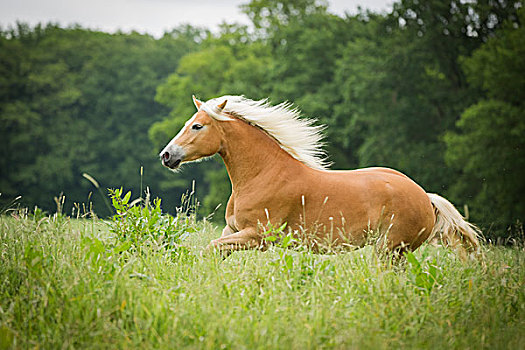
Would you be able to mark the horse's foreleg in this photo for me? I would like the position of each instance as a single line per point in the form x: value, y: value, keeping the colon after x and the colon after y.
x: 244, y: 239
x: 226, y: 231
x: 230, y: 225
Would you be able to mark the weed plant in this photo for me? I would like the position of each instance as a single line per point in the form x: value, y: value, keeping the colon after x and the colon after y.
x: 139, y: 224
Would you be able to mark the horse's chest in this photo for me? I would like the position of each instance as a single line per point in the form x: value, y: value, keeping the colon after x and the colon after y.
x: 258, y: 209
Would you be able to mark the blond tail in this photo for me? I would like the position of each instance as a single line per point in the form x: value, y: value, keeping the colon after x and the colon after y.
x: 452, y: 229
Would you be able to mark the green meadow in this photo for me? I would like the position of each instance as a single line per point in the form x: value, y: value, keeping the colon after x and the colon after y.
x: 143, y: 280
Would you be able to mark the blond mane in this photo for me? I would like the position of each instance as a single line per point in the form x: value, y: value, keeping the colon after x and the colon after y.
x: 297, y: 136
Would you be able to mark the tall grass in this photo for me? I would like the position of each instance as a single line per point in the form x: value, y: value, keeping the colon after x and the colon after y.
x: 78, y: 283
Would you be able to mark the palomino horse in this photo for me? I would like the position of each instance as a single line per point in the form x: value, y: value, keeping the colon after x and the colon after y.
x: 278, y: 173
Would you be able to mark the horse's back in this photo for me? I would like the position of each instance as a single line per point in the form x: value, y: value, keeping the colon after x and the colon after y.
x: 362, y: 183
x: 375, y: 172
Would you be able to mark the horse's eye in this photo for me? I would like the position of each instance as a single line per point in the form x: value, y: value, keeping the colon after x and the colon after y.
x: 196, y: 126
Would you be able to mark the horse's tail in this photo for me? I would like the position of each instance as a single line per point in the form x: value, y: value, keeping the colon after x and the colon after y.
x: 451, y: 228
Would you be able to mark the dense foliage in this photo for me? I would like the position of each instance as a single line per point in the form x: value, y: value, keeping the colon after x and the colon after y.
x: 75, y: 101
x: 434, y: 89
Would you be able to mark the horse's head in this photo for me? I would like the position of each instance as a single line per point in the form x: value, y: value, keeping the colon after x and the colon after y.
x: 200, y: 137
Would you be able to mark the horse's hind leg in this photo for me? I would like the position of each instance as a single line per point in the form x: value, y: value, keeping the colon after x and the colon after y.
x: 392, y: 255
x: 394, y: 243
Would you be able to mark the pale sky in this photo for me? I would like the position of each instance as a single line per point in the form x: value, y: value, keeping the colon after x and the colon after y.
x: 146, y: 16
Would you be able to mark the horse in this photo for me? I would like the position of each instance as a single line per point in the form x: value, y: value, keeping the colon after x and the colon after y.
x: 280, y: 178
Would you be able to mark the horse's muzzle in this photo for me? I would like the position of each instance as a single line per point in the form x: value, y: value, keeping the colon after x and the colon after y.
x: 171, y: 156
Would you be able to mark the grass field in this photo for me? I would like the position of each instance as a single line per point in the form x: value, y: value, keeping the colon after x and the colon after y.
x: 78, y: 283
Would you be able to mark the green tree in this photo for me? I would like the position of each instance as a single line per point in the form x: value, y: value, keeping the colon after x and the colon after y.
x: 40, y: 116
x: 489, y: 144
x: 403, y: 87
x: 75, y: 101
x: 270, y: 16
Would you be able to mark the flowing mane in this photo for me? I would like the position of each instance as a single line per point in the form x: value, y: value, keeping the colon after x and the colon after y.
x: 297, y: 136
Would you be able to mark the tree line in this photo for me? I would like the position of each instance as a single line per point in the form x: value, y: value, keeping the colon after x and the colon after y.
x: 433, y: 88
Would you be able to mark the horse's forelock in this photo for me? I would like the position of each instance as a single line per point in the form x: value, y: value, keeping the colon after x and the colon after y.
x: 212, y: 109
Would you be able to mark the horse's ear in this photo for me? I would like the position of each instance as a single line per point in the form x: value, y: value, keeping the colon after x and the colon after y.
x: 222, y: 105
x: 196, y: 102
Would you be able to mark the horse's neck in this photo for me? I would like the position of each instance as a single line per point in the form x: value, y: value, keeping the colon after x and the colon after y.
x: 250, y: 153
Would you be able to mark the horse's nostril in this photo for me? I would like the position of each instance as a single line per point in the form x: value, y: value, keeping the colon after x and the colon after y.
x: 166, y: 156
